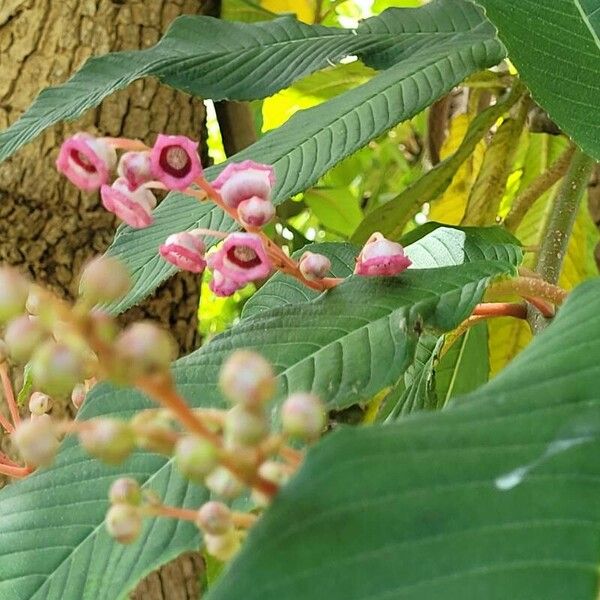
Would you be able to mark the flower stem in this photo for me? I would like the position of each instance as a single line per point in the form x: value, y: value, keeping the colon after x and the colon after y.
x: 500, y: 309
x: 242, y: 520
x: 9, y: 395
x: 126, y: 144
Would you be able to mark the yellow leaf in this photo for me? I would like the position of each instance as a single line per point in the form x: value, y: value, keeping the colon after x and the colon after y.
x: 303, y: 9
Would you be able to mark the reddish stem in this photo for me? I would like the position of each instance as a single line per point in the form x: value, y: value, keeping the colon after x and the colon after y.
x: 6, y: 460
x: 16, y: 472
x: 501, y: 309
x: 243, y: 520
x: 9, y: 395
x: 126, y: 144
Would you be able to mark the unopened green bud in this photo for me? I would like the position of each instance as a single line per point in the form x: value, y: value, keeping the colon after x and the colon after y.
x: 303, y: 416
x: 23, y: 334
x: 124, y: 523
x: 247, y: 378
x: 36, y: 440
x: 222, y: 547
x: 245, y: 427
x: 78, y: 395
x: 144, y: 349
x: 214, y: 518
x: 195, y: 457
x: 154, y: 431
x: 109, y: 440
x: 56, y: 368
x: 39, y: 403
x: 14, y: 289
x: 224, y: 484
x: 104, y: 279
x: 125, y: 491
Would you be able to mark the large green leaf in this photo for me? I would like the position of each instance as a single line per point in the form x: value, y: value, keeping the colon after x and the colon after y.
x: 555, y: 46
x: 346, y: 344
x: 493, y: 498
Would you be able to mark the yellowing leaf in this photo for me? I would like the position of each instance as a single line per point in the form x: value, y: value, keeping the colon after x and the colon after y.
x: 303, y: 9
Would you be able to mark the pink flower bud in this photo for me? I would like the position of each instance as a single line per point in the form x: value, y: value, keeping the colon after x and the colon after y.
x: 132, y: 207
x: 109, y: 440
x: 124, y: 523
x: 22, y: 336
x: 255, y: 212
x: 56, y: 368
x: 214, y: 518
x: 240, y: 181
x: 222, y: 547
x: 175, y: 161
x: 246, y: 378
x: 86, y: 161
x: 125, y: 490
x: 221, y: 286
x: 303, y: 416
x: 224, y: 484
x: 381, y: 257
x: 37, y: 440
x: 78, y: 395
x: 241, y: 258
x: 185, y: 250
x: 14, y: 290
x: 244, y: 427
x: 195, y: 457
x: 314, y: 266
x: 135, y: 168
x: 104, y: 279
x: 39, y: 403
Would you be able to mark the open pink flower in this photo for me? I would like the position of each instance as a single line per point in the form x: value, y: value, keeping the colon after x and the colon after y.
x: 255, y: 212
x: 381, y: 256
x: 241, y: 181
x: 221, y: 286
x: 175, y: 161
x: 133, y: 207
x: 241, y: 258
x: 184, y: 250
x: 135, y: 168
x: 86, y: 161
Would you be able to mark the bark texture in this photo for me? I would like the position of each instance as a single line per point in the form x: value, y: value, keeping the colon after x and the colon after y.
x: 47, y: 227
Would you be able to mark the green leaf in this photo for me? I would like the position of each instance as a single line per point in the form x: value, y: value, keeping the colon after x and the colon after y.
x: 493, y: 498
x: 54, y: 542
x: 556, y: 48
x: 336, y: 209
x: 27, y: 387
x: 314, y: 140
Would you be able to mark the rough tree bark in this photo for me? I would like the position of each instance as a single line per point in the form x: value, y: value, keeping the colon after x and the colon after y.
x: 46, y: 226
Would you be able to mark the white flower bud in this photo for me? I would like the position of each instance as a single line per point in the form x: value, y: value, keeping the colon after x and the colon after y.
x: 247, y: 378
x: 124, y: 523
x: 303, y: 416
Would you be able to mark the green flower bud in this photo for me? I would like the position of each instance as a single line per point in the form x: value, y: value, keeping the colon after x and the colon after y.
x: 37, y: 441
x: 195, y: 457
x: 244, y: 427
x: 13, y: 294
x: 56, y: 368
x: 224, y: 484
x: 109, y: 440
x: 23, y: 334
x: 214, y: 518
x: 303, y: 416
x: 104, y: 279
x: 125, y: 491
x: 124, y: 523
x: 154, y: 431
x: 247, y: 378
x: 222, y: 547
x: 39, y: 403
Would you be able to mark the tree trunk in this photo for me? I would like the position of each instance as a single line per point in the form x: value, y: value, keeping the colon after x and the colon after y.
x: 47, y: 226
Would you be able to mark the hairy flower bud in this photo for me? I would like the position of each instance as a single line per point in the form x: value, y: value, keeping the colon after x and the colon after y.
x: 224, y: 484
x: 145, y: 348
x: 86, y: 161
x: 381, y: 257
x: 244, y: 427
x: 132, y: 207
x: 303, y: 416
x: 247, y: 378
x: 125, y: 490
x: 36, y: 440
x: 214, y: 518
x: 175, y: 161
x: 314, y: 266
x: 56, y: 368
x: 104, y: 279
x: 195, y: 457
x: 241, y: 181
x: 124, y: 523
x: 39, y: 403
x: 14, y: 290
x: 135, y: 168
x: 23, y: 334
x: 109, y: 440
x: 255, y: 212
x: 222, y: 547
x: 78, y: 395
x: 185, y: 250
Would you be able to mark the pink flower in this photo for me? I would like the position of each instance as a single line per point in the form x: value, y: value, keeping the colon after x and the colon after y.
x: 241, y: 181
x: 380, y: 256
x: 86, y: 161
x: 185, y: 250
x: 255, y: 212
x: 135, y: 168
x: 175, y: 161
x: 314, y: 266
x: 241, y: 258
x: 221, y: 286
x: 133, y: 207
